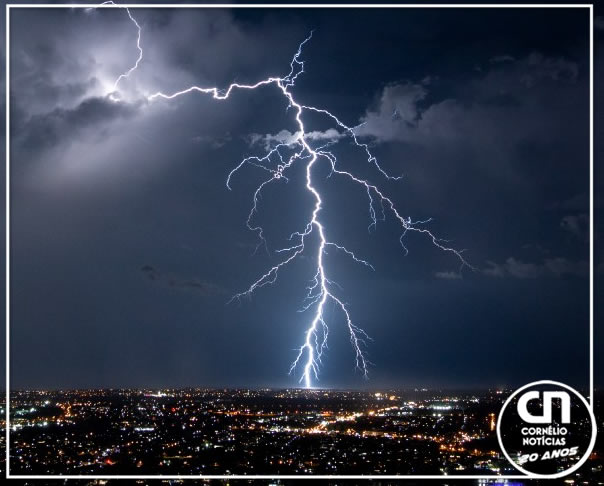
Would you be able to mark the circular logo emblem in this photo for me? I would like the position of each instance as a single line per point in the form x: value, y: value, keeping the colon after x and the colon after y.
x: 546, y: 429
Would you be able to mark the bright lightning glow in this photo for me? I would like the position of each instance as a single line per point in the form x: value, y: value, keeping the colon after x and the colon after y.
x: 127, y: 73
x: 276, y: 163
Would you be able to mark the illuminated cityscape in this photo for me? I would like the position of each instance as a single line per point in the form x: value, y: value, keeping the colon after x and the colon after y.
x: 256, y: 432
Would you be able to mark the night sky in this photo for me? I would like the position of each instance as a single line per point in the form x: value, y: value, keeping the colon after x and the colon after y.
x: 127, y: 245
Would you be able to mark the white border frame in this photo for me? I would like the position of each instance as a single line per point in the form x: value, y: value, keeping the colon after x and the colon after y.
x: 268, y: 5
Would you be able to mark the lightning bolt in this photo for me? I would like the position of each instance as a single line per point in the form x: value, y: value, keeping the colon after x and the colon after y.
x: 276, y: 162
x: 127, y: 73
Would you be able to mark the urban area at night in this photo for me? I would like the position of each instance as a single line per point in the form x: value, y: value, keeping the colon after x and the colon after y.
x: 260, y: 432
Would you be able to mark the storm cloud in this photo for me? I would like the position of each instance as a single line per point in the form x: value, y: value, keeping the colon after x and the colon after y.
x: 178, y: 282
x: 91, y: 115
x: 491, y: 138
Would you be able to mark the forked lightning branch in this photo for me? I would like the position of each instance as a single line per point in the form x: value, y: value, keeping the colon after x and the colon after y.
x: 276, y: 163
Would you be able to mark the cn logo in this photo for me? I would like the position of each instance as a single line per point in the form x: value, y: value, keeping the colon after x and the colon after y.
x: 535, y: 431
x: 548, y: 398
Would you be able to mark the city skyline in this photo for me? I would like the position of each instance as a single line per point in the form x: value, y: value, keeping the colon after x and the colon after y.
x: 300, y: 432
x: 280, y: 433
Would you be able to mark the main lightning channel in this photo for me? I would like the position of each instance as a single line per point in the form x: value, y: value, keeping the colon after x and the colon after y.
x: 276, y: 163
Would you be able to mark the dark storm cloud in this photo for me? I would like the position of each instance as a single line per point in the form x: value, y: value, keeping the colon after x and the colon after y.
x: 40, y: 88
x: 489, y: 135
x: 578, y: 202
x: 64, y: 125
x: 206, y: 289
x: 577, y: 225
x: 551, y: 267
x: 448, y: 275
x: 51, y: 71
x: 504, y: 110
x: 497, y: 106
x: 61, y: 82
x: 150, y: 272
x: 209, y: 46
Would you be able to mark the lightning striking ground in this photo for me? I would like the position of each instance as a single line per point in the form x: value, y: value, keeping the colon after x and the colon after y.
x: 277, y: 162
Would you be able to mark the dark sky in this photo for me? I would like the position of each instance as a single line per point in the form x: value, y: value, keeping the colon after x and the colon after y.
x: 127, y: 245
